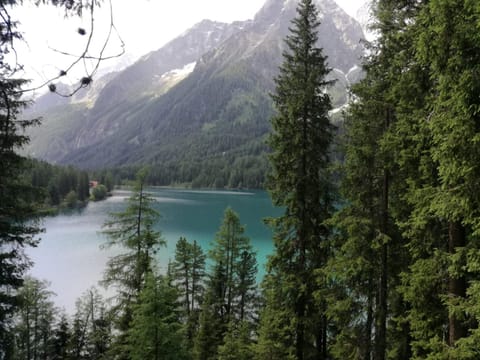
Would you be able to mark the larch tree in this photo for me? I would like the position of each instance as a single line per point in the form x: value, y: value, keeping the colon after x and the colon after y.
x: 155, y: 331
x: 34, y: 325
x: 133, y: 231
x: 188, y: 273
x: 300, y: 182
x: 92, y: 333
x: 235, y: 264
x: 229, y: 287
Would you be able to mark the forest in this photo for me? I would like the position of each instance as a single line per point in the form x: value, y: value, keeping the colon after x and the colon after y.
x: 376, y: 256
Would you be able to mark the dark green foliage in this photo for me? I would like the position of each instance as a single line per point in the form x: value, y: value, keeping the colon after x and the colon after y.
x: 276, y: 334
x: 188, y: 273
x: 56, y: 182
x: 231, y: 286
x: 414, y: 120
x: 155, y: 331
x: 211, y: 330
x: 234, y: 269
x: 99, y: 192
x: 237, y: 343
x: 300, y: 182
x: 60, y: 339
x: 18, y: 213
x: 444, y: 220
x: 368, y: 253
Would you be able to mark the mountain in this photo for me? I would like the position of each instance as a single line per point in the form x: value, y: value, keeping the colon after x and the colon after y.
x: 198, y: 108
x: 364, y: 16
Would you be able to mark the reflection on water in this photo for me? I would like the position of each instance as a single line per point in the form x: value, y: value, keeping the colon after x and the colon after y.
x: 69, y: 254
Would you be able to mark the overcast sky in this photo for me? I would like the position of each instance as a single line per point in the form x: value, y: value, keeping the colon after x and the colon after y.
x: 143, y: 27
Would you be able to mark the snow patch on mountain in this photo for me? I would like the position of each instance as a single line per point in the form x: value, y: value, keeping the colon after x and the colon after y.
x: 183, y: 72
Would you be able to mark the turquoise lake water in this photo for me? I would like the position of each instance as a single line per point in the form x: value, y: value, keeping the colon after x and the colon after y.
x: 69, y: 254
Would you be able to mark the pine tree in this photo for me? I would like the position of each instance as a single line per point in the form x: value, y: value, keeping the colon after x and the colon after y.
x: 211, y: 329
x: 60, y: 339
x: 300, y: 182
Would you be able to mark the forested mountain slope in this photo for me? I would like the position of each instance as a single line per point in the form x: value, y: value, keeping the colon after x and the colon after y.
x: 200, y: 105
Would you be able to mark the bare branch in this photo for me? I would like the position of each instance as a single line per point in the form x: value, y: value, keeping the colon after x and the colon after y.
x: 71, y: 6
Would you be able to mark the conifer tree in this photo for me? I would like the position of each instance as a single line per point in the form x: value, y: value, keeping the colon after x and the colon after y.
x: 235, y: 268
x: 188, y: 272
x: 369, y: 253
x: 34, y: 325
x: 237, y: 343
x: 229, y: 287
x: 92, y: 328
x: 133, y: 230
x: 300, y: 182
x: 443, y: 226
x: 156, y: 331
x: 18, y: 216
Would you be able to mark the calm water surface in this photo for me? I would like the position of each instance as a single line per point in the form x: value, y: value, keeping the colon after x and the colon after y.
x: 69, y: 254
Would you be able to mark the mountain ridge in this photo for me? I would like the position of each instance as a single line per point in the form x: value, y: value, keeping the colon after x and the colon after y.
x: 217, y: 108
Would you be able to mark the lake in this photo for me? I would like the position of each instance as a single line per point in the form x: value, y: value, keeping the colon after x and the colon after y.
x: 69, y: 254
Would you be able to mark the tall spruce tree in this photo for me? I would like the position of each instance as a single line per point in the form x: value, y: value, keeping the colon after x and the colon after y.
x: 18, y: 217
x: 444, y: 221
x: 369, y: 251
x: 300, y: 182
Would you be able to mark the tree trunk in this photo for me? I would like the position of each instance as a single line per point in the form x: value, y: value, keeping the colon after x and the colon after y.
x: 456, y: 286
x: 369, y: 324
x: 381, y: 330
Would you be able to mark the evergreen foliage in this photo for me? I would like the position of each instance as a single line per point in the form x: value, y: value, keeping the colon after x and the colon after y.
x: 300, y: 182
x: 237, y: 343
x: 18, y: 212
x: 369, y: 253
x: 35, y: 323
x: 393, y: 274
x: 155, y: 331
x: 231, y: 286
x: 132, y: 230
x: 188, y: 273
